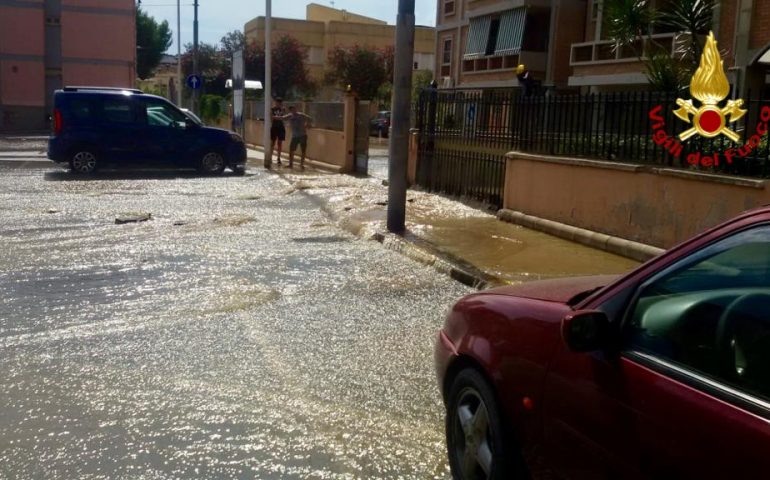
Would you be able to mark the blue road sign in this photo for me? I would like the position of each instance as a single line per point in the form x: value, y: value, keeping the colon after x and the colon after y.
x: 194, y: 82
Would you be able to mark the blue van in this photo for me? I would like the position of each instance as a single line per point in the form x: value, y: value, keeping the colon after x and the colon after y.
x: 99, y: 126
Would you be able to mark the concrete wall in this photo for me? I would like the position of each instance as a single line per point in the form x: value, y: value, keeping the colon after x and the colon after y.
x: 320, y: 37
x: 326, y: 146
x: 321, y: 13
x: 655, y: 206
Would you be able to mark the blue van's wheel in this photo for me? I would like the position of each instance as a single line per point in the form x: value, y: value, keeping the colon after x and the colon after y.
x: 84, y: 161
x: 211, y: 163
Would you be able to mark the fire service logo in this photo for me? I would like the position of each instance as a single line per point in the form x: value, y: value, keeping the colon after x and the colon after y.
x: 710, y: 87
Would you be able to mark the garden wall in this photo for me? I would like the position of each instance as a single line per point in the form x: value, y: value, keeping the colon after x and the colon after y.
x: 650, y: 205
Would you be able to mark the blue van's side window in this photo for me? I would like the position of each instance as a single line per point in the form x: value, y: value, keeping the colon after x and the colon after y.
x: 80, y: 109
x: 118, y: 111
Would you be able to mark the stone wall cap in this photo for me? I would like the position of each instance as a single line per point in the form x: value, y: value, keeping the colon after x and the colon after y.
x: 630, y: 167
x: 583, y: 162
x: 712, y: 177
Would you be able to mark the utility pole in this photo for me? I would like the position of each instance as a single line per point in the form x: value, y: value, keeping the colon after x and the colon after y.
x: 179, y: 81
x: 399, y: 141
x: 195, y: 57
x: 268, y: 147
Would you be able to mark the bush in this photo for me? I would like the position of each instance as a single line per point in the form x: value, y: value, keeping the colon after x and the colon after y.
x: 211, y: 107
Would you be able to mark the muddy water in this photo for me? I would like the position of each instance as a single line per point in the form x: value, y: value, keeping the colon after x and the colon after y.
x: 515, y: 253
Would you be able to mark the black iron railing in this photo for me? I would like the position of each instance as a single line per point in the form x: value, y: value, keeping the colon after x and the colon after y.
x: 464, y: 135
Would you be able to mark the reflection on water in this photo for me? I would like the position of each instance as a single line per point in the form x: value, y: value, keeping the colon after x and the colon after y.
x: 237, y: 335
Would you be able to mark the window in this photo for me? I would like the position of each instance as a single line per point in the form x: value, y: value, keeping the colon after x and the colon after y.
x: 446, y: 57
x: 446, y: 53
x: 710, y: 314
x: 118, y: 111
x: 80, y: 109
x: 595, y: 6
x: 316, y: 56
x: 449, y: 7
x: 497, y: 35
x: 161, y: 114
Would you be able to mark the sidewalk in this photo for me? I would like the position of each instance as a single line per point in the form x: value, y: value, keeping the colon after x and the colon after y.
x: 460, y: 239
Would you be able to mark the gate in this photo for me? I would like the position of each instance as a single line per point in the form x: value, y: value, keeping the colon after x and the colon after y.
x: 449, y: 160
x: 361, y: 145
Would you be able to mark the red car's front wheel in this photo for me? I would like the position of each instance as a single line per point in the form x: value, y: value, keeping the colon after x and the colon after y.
x: 476, y: 440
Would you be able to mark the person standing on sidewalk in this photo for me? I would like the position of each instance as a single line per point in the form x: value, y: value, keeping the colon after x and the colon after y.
x: 277, y: 128
x: 299, y: 123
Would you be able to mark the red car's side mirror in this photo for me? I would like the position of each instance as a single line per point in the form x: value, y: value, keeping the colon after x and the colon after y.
x: 585, y: 330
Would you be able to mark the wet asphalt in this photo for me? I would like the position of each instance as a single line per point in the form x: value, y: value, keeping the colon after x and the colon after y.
x: 236, y: 334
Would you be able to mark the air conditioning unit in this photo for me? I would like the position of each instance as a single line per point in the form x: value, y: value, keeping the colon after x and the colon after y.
x: 447, y: 82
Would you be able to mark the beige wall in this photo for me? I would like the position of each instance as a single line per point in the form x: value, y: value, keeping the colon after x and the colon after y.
x: 320, y: 37
x: 327, y: 146
x: 656, y: 206
x: 320, y: 13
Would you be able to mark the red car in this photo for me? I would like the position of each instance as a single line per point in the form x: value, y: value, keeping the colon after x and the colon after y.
x: 663, y: 373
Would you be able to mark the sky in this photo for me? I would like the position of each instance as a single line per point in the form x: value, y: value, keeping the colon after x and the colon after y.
x: 217, y: 17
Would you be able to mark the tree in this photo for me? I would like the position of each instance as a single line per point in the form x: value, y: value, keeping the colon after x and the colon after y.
x: 152, y: 39
x: 631, y: 24
x: 212, y: 67
x: 290, y: 76
x: 364, y: 69
x: 232, y: 42
x: 421, y: 80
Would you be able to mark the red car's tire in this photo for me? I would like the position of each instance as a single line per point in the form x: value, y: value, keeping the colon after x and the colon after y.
x: 477, y: 441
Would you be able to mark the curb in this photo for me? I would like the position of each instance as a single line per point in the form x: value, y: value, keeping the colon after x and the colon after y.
x: 412, y: 247
x: 23, y: 162
x: 422, y: 252
x: 619, y: 246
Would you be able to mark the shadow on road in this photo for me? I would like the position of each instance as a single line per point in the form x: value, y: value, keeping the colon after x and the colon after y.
x: 131, y: 174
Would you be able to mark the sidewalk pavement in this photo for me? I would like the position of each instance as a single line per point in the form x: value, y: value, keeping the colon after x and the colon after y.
x: 462, y: 239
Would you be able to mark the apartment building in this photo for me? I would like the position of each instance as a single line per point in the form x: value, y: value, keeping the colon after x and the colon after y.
x: 742, y: 28
x: 46, y: 44
x: 481, y: 42
x: 325, y: 28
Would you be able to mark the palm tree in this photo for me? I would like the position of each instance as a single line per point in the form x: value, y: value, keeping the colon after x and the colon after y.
x: 629, y: 21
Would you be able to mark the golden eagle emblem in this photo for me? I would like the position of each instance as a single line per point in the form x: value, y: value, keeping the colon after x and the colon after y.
x: 709, y: 85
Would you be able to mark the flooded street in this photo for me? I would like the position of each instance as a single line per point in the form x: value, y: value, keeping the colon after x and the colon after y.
x: 236, y: 334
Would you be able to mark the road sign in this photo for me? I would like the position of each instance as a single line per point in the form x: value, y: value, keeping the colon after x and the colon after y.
x: 194, y: 82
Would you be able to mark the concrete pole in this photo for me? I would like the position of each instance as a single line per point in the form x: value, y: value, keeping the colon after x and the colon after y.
x: 401, y: 110
x: 195, y: 57
x: 179, y: 81
x: 268, y: 86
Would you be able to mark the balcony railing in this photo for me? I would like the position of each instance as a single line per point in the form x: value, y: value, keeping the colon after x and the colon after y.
x: 605, y: 51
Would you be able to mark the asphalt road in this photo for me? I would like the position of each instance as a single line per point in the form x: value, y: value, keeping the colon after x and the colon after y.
x: 236, y: 334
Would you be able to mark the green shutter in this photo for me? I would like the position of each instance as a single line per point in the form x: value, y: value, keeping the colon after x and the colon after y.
x: 511, y: 33
x: 478, y: 35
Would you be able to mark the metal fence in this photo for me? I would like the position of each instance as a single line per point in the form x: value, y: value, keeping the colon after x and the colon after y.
x: 465, y: 135
x: 326, y: 115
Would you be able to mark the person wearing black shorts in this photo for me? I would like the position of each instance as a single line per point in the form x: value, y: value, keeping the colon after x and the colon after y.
x: 277, y: 128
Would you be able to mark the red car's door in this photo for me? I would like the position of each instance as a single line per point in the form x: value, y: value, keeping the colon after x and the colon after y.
x: 687, y: 392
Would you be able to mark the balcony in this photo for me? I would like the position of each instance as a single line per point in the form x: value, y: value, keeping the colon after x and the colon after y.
x: 604, y: 52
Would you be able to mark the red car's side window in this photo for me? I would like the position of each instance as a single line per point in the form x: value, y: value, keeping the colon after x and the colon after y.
x: 710, y: 313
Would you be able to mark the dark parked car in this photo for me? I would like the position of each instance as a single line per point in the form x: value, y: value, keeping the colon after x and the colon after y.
x: 380, y: 125
x: 95, y: 126
x: 663, y: 373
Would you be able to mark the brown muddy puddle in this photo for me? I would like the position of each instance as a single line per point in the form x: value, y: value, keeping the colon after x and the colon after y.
x: 513, y: 252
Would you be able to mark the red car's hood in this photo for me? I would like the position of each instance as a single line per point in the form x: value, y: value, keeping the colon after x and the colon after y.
x: 556, y: 290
